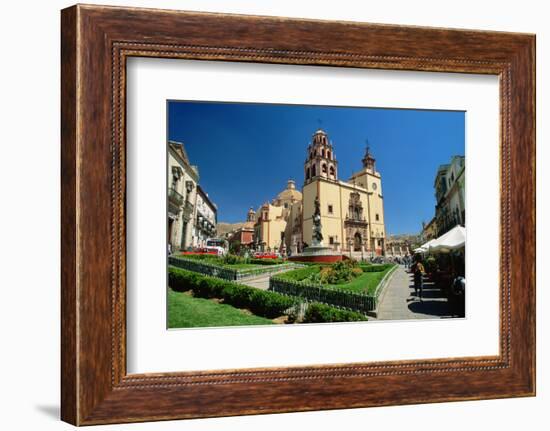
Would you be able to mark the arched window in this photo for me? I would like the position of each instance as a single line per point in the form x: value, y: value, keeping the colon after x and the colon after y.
x: 328, y: 154
x: 307, y: 174
x: 324, y: 168
x: 313, y: 173
x: 331, y: 171
x: 322, y: 152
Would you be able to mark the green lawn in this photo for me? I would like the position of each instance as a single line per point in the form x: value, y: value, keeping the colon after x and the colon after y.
x: 185, y: 311
x: 365, y: 283
x: 300, y: 274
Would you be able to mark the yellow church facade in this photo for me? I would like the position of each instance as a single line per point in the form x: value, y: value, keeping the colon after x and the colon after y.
x: 352, y: 212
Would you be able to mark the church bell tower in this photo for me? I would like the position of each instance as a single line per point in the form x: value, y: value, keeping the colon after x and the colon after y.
x: 368, y: 161
x: 320, y: 160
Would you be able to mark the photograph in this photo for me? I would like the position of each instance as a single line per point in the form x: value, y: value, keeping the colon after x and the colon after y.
x: 261, y: 216
x: 294, y: 214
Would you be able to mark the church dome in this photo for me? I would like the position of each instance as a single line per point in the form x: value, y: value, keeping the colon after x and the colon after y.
x: 290, y: 193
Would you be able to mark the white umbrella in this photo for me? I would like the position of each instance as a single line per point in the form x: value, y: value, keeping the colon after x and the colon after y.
x: 453, y: 240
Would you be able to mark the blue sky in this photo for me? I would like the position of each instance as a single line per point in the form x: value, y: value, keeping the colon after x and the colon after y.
x: 247, y: 152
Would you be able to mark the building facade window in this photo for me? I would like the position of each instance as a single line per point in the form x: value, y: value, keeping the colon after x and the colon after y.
x: 377, y: 217
x: 331, y: 240
x: 330, y: 209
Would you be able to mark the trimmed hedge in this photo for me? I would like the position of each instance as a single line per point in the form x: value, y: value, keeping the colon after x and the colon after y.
x: 375, y: 268
x: 258, y: 261
x: 260, y: 302
x: 216, y: 268
x: 320, y: 313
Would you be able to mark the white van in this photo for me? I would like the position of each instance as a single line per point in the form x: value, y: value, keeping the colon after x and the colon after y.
x: 217, y: 245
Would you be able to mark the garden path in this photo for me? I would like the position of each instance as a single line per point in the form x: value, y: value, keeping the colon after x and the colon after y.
x: 257, y: 281
x: 262, y: 281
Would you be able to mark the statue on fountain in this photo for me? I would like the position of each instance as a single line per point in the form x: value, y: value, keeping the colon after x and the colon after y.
x: 317, y: 234
x: 316, y: 251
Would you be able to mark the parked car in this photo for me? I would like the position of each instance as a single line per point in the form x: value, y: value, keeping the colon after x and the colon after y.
x: 267, y: 255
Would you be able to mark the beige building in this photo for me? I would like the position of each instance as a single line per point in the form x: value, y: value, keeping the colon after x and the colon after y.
x: 397, y: 246
x: 449, y: 187
x: 205, y: 218
x: 352, y: 212
x: 192, y: 216
x: 429, y: 230
x: 182, y: 186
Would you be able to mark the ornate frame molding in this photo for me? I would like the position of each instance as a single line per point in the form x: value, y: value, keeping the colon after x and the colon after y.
x: 96, y: 42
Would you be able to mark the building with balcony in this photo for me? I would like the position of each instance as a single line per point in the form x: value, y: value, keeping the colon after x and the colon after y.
x: 182, y: 184
x: 449, y: 185
x: 205, y: 218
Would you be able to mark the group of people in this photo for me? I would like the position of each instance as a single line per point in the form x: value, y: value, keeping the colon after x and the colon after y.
x: 401, y: 260
x: 454, y: 285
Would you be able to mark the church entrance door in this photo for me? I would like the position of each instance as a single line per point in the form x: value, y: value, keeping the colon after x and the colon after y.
x: 357, y: 242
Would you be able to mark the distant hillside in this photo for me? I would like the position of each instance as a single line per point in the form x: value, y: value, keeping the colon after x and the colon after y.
x: 224, y: 228
x: 412, y: 238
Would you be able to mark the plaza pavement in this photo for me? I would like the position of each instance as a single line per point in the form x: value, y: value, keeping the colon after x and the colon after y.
x: 259, y: 282
x: 398, y: 301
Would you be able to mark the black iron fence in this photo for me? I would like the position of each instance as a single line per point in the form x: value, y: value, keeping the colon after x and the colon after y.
x: 328, y: 295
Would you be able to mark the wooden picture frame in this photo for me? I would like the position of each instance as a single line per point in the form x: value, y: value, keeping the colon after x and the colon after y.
x: 95, y: 43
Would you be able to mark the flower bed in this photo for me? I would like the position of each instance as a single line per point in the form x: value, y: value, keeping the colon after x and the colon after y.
x: 327, y: 295
x: 313, y: 283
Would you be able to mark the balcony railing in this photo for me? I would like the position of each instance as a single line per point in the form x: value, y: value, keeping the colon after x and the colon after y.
x: 174, y: 197
x: 188, y: 208
x: 355, y: 221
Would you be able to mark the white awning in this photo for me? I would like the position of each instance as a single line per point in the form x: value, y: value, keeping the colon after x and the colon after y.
x: 455, y: 239
x: 424, y: 247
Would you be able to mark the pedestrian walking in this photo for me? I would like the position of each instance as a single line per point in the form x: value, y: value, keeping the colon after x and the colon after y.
x: 418, y: 272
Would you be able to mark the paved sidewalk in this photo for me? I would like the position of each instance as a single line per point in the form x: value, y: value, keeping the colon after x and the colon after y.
x: 258, y: 281
x: 261, y: 281
x: 398, y: 301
